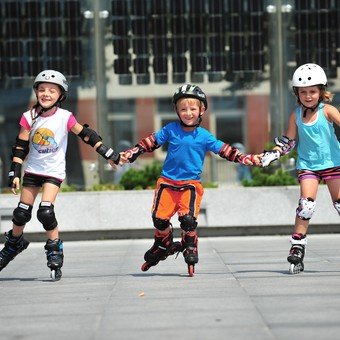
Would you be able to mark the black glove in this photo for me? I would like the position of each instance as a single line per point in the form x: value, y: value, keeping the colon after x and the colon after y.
x: 133, y: 153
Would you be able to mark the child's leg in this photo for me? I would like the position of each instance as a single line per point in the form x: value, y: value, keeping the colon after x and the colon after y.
x: 15, y: 242
x: 334, y: 190
x: 305, y: 210
x: 46, y: 215
x: 163, y: 209
x: 189, y: 207
x: 23, y: 213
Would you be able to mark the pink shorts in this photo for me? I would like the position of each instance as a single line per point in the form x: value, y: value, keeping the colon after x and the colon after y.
x: 320, y: 175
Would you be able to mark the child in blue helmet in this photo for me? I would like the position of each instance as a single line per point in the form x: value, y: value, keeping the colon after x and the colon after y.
x: 179, y: 189
x: 42, y: 144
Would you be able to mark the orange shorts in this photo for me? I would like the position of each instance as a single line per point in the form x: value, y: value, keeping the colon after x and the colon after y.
x: 181, y: 197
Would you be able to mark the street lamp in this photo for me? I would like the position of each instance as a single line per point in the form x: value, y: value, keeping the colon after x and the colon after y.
x: 278, y: 65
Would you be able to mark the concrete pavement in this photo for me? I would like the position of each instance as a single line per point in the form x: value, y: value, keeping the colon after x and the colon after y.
x: 241, y: 290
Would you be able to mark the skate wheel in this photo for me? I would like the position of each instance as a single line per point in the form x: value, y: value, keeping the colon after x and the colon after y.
x: 191, y: 270
x: 291, y: 268
x: 145, y: 267
x: 55, y: 274
x: 296, y: 268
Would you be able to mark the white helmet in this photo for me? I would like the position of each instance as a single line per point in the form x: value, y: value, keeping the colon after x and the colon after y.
x: 51, y: 76
x: 309, y: 75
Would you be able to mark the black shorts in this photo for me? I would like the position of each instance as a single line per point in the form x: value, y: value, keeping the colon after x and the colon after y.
x: 31, y: 180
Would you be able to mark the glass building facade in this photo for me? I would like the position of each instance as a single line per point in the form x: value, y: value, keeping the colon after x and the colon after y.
x: 125, y: 58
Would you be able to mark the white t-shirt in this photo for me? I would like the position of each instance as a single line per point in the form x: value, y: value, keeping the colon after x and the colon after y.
x: 48, y: 143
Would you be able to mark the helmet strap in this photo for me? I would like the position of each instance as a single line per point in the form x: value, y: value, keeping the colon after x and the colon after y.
x: 309, y: 108
x: 45, y: 109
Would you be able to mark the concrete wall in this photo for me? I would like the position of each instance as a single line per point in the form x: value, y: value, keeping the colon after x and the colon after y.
x: 253, y: 210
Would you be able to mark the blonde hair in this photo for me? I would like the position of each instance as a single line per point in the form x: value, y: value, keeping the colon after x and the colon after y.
x: 191, y: 101
x: 326, y: 96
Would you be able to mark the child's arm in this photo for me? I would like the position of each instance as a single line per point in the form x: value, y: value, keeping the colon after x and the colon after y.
x: 233, y: 154
x: 332, y: 114
x: 19, y: 152
x: 284, y: 144
x: 92, y: 138
x: 147, y: 144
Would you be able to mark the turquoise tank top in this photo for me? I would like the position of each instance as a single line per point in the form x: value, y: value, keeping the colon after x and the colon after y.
x: 318, y: 146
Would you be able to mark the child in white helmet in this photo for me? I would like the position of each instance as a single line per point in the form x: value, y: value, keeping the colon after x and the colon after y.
x: 179, y: 189
x: 42, y: 144
x: 318, y: 151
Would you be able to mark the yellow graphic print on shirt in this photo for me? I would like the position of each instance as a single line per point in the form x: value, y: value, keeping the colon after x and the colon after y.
x: 43, y: 141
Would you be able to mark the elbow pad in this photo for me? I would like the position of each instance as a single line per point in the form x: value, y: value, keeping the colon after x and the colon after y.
x: 149, y: 143
x: 229, y: 153
x: 20, y: 149
x: 89, y: 136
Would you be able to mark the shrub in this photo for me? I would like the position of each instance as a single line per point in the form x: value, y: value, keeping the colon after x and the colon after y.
x: 276, y: 174
x: 141, y: 179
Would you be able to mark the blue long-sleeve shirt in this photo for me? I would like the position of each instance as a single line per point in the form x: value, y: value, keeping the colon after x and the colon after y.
x: 187, y: 150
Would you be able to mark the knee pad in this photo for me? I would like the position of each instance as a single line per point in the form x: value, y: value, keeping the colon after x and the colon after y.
x: 46, y: 216
x: 22, y: 214
x: 337, y: 206
x: 160, y: 224
x: 306, y: 208
x: 188, y: 222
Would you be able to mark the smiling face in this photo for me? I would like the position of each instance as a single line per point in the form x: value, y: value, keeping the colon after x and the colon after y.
x: 189, y: 110
x: 48, y: 94
x: 309, y: 96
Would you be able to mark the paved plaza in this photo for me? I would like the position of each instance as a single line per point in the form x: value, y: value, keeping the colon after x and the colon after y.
x: 241, y: 290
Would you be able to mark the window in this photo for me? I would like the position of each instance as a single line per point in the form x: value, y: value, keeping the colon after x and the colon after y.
x: 229, y: 114
x: 121, y: 123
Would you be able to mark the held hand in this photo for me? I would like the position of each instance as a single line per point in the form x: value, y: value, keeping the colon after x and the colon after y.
x: 250, y: 159
x: 123, y: 159
x: 246, y: 159
x: 257, y: 159
x: 132, y: 154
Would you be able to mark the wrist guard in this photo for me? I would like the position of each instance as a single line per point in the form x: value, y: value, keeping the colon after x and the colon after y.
x: 20, y: 149
x: 132, y: 154
x: 245, y: 159
x: 89, y: 136
x: 14, y: 172
x: 285, y: 144
x: 147, y: 144
x: 269, y: 157
x: 229, y: 153
x: 108, y: 153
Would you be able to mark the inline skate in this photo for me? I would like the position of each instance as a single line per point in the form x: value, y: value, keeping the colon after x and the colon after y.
x: 55, y: 257
x: 13, y: 246
x: 297, y: 253
x: 190, y: 251
x: 163, y: 247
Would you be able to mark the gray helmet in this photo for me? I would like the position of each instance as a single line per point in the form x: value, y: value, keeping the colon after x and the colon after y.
x: 54, y: 77
x: 190, y: 91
